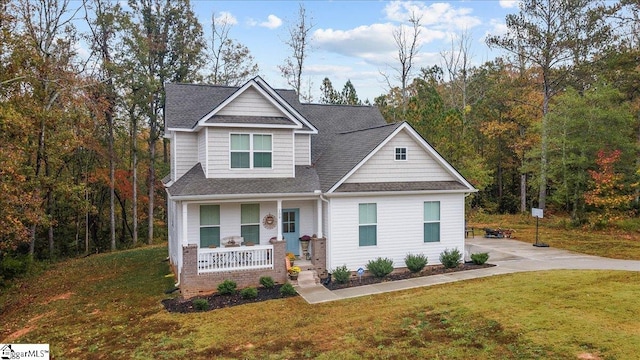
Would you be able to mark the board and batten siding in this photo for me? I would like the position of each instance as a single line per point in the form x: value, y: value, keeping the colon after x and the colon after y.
x: 186, y: 152
x: 219, y: 155
x: 230, y: 219
x: 400, y: 227
x: 382, y: 166
x: 302, y: 149
x: 250, y: 103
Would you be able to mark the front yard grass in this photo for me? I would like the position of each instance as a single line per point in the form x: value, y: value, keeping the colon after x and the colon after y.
x: 108, y: 307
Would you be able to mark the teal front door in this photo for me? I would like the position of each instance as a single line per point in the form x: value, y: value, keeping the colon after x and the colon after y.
x: 291, y: 229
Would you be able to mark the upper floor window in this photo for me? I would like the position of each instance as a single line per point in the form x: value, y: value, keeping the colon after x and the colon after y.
x: 401, y: 153
x: 250, y: 151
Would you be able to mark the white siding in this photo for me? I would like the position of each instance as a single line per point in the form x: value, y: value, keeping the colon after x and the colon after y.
x: 399, y: 229
x: 230, y: 219
x: 303, y: 149
x: 282, y: 156
x: 250, y: 103
x: 382, y: 167
x: 202, y: 158
x: 186, y: 152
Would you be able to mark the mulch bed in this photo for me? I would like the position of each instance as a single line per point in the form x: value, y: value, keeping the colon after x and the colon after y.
x: 217, y: 301
x: 404, y: 274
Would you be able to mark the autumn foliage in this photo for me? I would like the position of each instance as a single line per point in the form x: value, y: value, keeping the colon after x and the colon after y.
x: 609, y: 193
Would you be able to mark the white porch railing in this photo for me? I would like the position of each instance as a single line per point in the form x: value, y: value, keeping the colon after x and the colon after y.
x: 235, y: 258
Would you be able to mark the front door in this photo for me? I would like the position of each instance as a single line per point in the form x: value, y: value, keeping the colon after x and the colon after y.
x: 291, y: 229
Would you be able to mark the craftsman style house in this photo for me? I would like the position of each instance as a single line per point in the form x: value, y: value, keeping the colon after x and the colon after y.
x: 253, y: 170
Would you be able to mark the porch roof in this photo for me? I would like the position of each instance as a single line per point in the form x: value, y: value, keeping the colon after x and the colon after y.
x: 194, y: 182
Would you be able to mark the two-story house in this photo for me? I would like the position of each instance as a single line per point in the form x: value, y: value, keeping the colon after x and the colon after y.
x: 253, y: 170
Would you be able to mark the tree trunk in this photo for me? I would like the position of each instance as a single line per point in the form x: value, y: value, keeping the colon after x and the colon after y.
x: 112, y: 182
x: 523, y: 193
x: 152, y: 181
x: 134, y: 168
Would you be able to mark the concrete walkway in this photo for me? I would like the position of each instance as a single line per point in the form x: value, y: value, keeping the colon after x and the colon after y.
x: 510, y: 256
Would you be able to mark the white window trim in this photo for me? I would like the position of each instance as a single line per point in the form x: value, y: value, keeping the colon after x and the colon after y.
x: 433, y: 221
x: 368, y: 224
x: 209, y: 226
x: 251, y: 151
x: 406, y: 153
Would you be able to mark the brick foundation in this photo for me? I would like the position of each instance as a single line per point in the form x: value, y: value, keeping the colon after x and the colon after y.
x: 192, y: 284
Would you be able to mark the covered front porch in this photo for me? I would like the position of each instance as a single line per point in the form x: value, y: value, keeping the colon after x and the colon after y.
x: 242, y: 240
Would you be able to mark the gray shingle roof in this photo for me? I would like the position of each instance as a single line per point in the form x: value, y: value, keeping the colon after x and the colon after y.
x: 195, y: 183
x: 346, y: 150
x: 346, y: 135
x: 401, y: 186
x: 270, y: 120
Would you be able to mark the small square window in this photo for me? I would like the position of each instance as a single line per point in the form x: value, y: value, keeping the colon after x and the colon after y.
x: 401, y: 154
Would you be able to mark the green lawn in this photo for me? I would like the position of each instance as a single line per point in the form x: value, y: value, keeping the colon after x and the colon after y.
x: 108, y: 307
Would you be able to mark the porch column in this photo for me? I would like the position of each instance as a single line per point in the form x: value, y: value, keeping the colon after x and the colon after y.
x: 185, y: 218
x: 279, y: 210
x: 319, y: 211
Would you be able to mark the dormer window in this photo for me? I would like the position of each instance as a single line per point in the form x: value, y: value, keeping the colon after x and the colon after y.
x: 401, y: 154
x: 248, y: 151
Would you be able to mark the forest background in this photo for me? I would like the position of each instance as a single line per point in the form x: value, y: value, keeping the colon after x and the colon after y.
x: 553, y: 124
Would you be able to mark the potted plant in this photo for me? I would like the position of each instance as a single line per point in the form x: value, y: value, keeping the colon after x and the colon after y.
x: 304, y: 242
x: 291, y: 257
x: 293, y: 272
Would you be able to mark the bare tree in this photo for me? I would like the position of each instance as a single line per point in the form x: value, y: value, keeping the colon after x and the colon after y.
x: 406, y: 41
x: 231, y: 63
x: 456, y: 64
x: 298, y: 43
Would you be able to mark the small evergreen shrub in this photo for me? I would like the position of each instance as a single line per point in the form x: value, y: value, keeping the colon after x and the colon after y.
x: 480, y: 258
x: 227, y: 287
x: 415, y: 263
x: 450, y: 258
x: 287, y: 290
x: 201, y: 304
x: 380, y: 267
x: 249, y: 293
x: 341, y: 274
x: 267, y: 282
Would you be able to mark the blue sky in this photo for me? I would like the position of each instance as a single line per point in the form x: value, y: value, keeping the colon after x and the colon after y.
x: 353, y: 39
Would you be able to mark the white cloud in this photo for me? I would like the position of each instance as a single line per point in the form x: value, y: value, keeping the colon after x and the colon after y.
x: 436, y: 15
x: 225, y: 18
x: 509, y: 4
x: 273, y: 22
x: 497, y: 28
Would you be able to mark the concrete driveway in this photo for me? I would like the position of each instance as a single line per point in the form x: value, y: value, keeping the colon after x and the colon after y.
x: 517, y: 256
x: 510, y: 256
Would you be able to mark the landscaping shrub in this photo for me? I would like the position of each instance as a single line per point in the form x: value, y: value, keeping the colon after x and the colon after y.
x: 287, y: 290
x: 201, y: 304
x: 249, y: 293
x: 341, y: 274
x: 227, y: 287
x: 450, y: 258
x: 267, y: 282
x: 415, y: 263
x: 380, y: 267
x: 480, y: 258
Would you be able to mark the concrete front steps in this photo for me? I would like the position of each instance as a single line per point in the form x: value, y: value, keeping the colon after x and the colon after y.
x: 308, y: 276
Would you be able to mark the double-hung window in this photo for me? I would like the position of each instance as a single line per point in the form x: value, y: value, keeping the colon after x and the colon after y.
x: 209, y: 225
x: 250, y: 222
x: 248, y: 151
x: 368, y: 224
x: 432, y: 221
